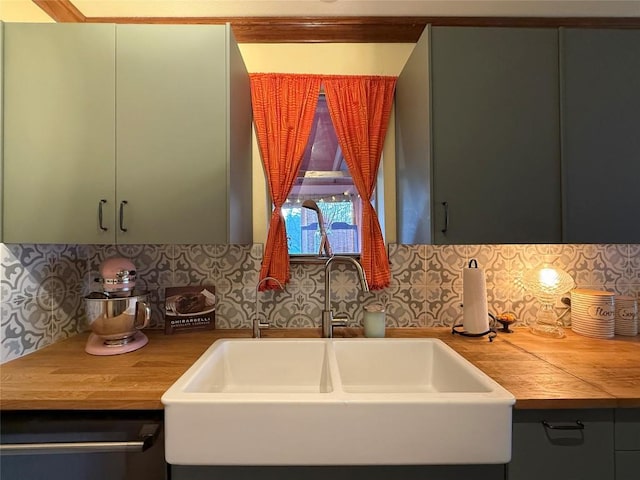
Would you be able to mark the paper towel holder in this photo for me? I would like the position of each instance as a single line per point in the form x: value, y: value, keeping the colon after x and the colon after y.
x: 459, y: 328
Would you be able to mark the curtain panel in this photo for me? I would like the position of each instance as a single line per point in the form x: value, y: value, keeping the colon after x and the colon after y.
x: 360, y: 107
x: 283, y: 109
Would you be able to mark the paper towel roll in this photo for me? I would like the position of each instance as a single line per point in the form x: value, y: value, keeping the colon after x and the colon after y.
x: 475, y: 313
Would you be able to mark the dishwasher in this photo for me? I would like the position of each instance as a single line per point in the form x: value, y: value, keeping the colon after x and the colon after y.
x: 82, y: 445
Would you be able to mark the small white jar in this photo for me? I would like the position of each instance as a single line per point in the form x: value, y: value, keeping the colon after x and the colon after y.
x: 374, y: 321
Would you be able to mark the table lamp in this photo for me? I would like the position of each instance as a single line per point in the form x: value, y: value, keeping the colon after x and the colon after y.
x: 547, y: 284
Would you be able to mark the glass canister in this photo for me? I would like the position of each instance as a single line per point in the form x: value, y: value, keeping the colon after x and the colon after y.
x: 374, y: 321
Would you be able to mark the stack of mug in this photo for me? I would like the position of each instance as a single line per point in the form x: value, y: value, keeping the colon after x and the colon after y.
x: 626, y: 322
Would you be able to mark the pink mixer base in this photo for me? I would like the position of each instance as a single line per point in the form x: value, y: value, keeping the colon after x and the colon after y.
x: 96, y: 346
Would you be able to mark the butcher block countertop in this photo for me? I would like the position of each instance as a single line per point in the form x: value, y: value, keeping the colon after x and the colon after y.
x: 574, y: 372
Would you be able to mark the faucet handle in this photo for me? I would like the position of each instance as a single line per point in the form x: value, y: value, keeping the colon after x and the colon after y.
x: 257, y: 326
x: 339, y: 322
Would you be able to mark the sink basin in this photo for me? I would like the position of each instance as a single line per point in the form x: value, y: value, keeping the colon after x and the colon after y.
x: 401, y: 366
x: 336, y: 402
x: 280, y: 366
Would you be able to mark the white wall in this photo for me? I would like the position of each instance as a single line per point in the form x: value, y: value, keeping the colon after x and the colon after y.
x: 22, y: 11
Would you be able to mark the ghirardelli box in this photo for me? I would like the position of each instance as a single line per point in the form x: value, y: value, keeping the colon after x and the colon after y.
x: 189, y: 308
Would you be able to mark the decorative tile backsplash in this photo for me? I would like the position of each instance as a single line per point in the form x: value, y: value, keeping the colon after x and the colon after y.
x: 42, y: 286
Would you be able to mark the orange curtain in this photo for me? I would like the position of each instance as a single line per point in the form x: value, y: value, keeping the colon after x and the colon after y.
x: 360, y: 107
x: 283, y: 109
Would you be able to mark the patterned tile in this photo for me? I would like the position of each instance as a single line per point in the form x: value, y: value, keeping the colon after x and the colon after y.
x: 596, y: 265
x: 24, y: 325
x: 41, y: 286
x: 444, y: 305
x: 71, y: 267
x: 67, y: 318
x: 193, y: 265
x: 406, y: 306
x: 408, y: 264
x: 633, y: 266
x: 292, y: 310
x: 494, y: 259
x: 27, y: 270
x: 445, y: 264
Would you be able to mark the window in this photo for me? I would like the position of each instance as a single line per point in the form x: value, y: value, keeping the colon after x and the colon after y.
x: 323, y: 179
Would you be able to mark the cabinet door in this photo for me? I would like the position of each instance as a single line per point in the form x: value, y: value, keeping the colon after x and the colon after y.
x: 59, y: 128
x: 1, y: 124
x: 495, y: 130
x: 600, y: 140
x: 172, y: 133
x: 413, y: 147
x: 542, y: 452
x: 627, y: 442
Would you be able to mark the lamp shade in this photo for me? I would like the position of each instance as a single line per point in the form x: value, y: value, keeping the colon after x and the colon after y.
x: 547, y: 283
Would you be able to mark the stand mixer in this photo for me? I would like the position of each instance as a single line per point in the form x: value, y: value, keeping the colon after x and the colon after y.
x: 116, y: 312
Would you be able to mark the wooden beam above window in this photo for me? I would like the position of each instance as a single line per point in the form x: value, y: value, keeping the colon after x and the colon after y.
x: 337, y: 29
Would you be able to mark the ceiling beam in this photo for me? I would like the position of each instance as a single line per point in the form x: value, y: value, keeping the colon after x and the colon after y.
x: 62, y: 11
x: 337, y: 29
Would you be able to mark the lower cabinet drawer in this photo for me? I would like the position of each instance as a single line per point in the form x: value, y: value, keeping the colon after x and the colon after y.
x: 339, y: 472
x: 627, y: 465
x: 628, y: 429
x: 562, y: 445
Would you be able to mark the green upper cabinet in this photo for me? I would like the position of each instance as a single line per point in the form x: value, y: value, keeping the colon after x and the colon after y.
x: 59, y: 133
x: 146, y: 127
x: 491, y: 158
x: 175, y: 145
x: 601, y: 134
x: 1, y: 117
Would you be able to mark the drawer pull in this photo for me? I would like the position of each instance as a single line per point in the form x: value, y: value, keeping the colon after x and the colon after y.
x: 578, y: 426
x: 146, y: 438
x: 122, y: 204
x: 102, y: 227
x: 446, y: 217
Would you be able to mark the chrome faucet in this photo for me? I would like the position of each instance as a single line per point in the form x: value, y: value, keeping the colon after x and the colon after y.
x: 257, y: 324
x: 324, y: 239
x: 328, y: 322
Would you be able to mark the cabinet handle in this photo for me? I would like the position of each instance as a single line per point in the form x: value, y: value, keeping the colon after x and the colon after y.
x: 102, y: 227
x: 446, y: 216
x: 578, y: 426
x: 146, y: 438
x: 122, y: 204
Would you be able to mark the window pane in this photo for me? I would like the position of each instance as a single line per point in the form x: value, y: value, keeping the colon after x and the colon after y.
x: 324, y: 178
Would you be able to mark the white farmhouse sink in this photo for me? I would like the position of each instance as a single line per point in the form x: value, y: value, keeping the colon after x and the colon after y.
x: 335, y: 402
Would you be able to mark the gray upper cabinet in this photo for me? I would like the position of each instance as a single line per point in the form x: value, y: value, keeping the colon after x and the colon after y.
x: 413, y: 147
x: 601, y: 135
x: 490, y: 163
x: 140, y: 134
x: 59, y: 132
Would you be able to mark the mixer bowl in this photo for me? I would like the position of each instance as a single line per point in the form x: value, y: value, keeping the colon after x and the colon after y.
x: 116, y: 320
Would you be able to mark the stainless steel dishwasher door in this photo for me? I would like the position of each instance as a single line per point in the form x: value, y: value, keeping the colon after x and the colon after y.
x: 73, y: 445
